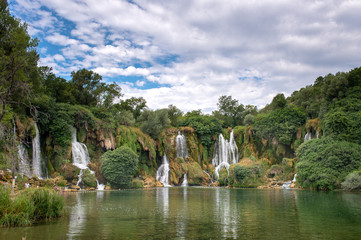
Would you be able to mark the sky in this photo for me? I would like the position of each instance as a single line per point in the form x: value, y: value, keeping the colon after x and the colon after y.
x: 190, y: 52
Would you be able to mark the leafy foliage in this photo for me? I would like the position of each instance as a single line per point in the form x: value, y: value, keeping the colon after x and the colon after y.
x: 281, y: 123
x: 352, y: 182
x: 241, y: 172
x: 324, y: 163
x: 18, y: 62
x: 204, y: 126
x: 119, y: 166
x: 154, y: 122
x: 230, y: 112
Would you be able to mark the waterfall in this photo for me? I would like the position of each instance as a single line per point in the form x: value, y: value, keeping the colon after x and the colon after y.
x: 286, y: 185
x: 100, y: 186
x: 36, y: 154
x: 24, y: 166
x: 163, y: 172
x: 308, y: 136
x: 182, y: 150
x: 225, y: 153
x: 81, y: 158
x: 208, y: 175
x: 185, y: 181
x: 317, y: 134
x: 79, y: 151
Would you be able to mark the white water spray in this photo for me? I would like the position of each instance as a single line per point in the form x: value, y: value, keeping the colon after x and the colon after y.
x: 185, y: 181
x: 225, y: 153
x: 24, y: 166
x: 81, y: 158
x: 36, y: 154
x: 308, y: 136
x: 163, y: 172
x: 182, y: 150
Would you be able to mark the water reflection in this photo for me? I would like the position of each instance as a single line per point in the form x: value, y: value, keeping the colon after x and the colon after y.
x: 162, y: 198
x: 182, y: 215
x: 223, y: 214
x: 100, y: 196
x: 202, y: 213
x: 77, y: 218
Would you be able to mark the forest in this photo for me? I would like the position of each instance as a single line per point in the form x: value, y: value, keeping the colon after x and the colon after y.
x: 315, y: 132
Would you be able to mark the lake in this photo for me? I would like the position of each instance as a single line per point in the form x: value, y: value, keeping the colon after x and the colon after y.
x: 202, y: 213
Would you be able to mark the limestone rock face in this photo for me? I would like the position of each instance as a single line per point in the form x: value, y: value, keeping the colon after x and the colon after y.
x: 150, y: 182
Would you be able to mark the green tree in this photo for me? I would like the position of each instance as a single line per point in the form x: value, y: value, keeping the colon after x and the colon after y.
x: 174, y: 115
x: 89, y: 89
x: 281, y: 123
x: 134, y: 105
x: 230, y: 112
x: 56, y: 87
x: 154, y: 122
x: 324, y: 163
x: 205, y: 126
x: 18, y: 61
x: 119, y: 166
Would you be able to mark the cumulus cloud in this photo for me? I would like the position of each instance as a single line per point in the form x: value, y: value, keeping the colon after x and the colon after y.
x: 195, y: 51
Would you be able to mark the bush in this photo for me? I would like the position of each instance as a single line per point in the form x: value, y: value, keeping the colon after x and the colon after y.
x: 324, y: 163
x: 241, y: 172
x: 29, y: 206
x: 352, y: 182
x: 136, y: 183
x: 119, y: 166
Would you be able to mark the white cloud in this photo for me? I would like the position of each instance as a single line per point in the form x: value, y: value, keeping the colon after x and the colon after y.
x: 251, y: 50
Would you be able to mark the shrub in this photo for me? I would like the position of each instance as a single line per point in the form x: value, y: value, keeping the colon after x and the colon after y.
x: 136, y: 183
x: 324, y: 163
x: 241, y: 172
x: 119, y: 166
x: 352, y: 182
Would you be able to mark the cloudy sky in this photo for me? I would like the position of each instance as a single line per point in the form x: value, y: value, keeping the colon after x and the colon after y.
x: 190, y: 52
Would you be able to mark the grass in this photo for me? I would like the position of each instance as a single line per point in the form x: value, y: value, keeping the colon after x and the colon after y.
x: 29, y: 206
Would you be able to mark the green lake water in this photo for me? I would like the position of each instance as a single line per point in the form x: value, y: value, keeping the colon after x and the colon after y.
x: 202, y: 213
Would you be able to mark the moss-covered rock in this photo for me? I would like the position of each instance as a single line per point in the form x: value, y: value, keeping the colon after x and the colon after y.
x: 69, y: 171
x: 89, y: 179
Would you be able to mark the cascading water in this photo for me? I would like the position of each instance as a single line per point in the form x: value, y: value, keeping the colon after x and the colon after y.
x: 182, y: 150
x: 24, y: 166
x: 100, y: 186
x: 208, y: 175
x: 36, y: 154
x: 185, y: 181
x: 163, y: 172
x: 308, y: 136
x: 79, y: 152
x: 225, y: 153
x: 287, y: 185
x: 81, y: 158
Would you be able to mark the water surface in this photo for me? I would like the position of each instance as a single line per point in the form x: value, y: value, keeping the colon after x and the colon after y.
x: 202, y: 213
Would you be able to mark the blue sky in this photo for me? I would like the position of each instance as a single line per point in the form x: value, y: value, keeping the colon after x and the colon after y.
x: 189, y: 53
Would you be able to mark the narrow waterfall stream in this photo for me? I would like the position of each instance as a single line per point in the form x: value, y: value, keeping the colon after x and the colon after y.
x: 24, y: 166
x: 163, y: 172
x: 182, y: 149
x: 36, y: 154
x: 185, y: 181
